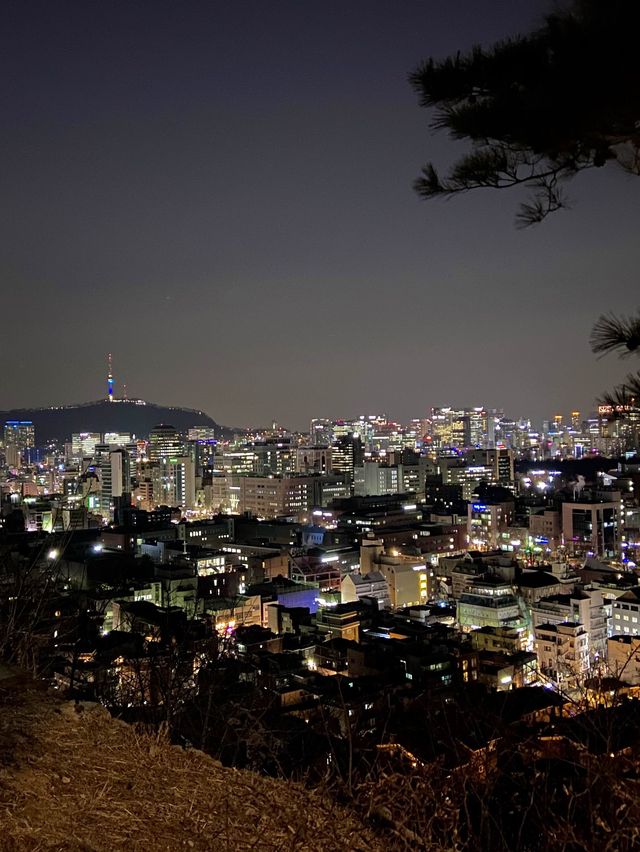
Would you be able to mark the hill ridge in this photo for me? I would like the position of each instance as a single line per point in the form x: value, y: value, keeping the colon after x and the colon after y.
x: 137, y: 416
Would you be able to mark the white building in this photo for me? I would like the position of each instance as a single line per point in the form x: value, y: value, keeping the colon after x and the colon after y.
x: 562, y: 649
x: 356, y: 586
x: 584, y: 606
x: 625, y: 614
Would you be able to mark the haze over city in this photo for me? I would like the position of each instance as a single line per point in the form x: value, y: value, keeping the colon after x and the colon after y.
x: 221, y: 195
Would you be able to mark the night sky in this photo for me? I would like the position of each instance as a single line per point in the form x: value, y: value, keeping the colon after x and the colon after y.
x: 220, y: 194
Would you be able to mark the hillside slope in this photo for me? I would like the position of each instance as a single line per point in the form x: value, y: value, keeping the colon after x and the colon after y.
x: 101, y: 416
x: 72, y: 778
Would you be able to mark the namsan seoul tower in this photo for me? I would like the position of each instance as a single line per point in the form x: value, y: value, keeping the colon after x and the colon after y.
x: 109, y: 379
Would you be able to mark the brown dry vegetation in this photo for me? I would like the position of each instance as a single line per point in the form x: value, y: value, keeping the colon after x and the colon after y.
x: 72, y: 778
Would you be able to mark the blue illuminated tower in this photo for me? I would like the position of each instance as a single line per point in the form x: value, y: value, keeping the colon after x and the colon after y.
x: 110, y: 380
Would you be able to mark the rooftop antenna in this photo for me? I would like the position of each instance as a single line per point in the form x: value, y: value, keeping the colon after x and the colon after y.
x: 109, y: 379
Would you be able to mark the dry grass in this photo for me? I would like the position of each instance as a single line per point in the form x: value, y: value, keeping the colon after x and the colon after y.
x: 71, y: 778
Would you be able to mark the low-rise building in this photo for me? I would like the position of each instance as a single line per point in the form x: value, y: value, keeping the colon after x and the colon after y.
x: 486, y: 522
x: 501, y: 671
x: 625, y: 613
x: 535, y: 585
x: 356, y: 586
x: 489, y: 602
x: 507, y: 639
x: 562, y: 650
x: 340, y: 622
x: 584, y: 606
x: 545, y: 529
x: 624, y: 658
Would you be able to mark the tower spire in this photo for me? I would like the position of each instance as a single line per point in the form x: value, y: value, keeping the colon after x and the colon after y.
x: 109, y: 379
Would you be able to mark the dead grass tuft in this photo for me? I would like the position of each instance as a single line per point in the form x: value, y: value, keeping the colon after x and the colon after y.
x: 72, y: 778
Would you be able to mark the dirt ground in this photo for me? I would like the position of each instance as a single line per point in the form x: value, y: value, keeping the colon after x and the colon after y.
x: 72, y: 778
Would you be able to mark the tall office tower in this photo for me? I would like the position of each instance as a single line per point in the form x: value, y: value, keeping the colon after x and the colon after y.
x: 576, y: 423
x: 83, y: 445
x: 313, y: 459
x: 165, y: 442
x: 451, y: 427
x: 243, y: 462
x: 174, y: 482
x: 619, y: 428
x: 500, y: 461
x: 203, y: 451
x: 478, y: 427
x: 19, y: 442
x: 346, y: 454
x: 116, y: 440
x: 115, y: 478
x: 494, y: 417
x: 321, y: 432
x: 201, y: 433
x: 274, y: 456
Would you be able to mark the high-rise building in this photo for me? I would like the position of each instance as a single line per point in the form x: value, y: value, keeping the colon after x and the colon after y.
x: 165, y: 442
x: 372, y: 478
x: 346, y: 454
x: 619, y: 428
x: 201, y: 433
x: 115, y: 479
x: 174, y: 482
x: 464, y: 428
x: 315, y: 459
x: 275, y: 456
x: 19, y: 442
x: 592, y: 525
x: 83, y: 445
x: 321, y: 431
x: 117, y: 439
x: 449, y: 427
x: 488, y: 522
x: 501, y: 461
x: 242, y: 462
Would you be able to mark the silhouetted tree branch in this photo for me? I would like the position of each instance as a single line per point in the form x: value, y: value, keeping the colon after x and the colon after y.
x: 621, y: 335
x: 541, y: 108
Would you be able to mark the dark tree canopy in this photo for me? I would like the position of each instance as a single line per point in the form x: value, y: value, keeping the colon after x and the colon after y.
x: 540, y: 108
x: 622, y: 335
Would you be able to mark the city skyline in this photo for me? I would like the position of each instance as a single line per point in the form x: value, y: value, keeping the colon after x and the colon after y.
x: 111, y: 395
x: 222, y: 197
x: 565, y: 414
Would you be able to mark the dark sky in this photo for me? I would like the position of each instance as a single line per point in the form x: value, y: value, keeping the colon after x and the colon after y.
x: 220, y: 193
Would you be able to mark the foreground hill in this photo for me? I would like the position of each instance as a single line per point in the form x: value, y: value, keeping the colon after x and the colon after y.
x: 73, y: 778
x: 133, y: 416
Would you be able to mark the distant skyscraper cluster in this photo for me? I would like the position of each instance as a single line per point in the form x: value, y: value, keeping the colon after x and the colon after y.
x: 445, y: 455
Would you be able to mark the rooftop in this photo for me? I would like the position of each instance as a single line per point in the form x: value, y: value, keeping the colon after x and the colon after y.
x: 537, y: 580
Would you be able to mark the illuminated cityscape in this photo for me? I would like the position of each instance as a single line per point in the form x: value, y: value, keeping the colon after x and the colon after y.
x: 464, y: 517
x: 461, y: 555
x: 320, y: 498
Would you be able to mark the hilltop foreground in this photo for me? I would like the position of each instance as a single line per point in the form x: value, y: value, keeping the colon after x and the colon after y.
x: 73, y: 778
